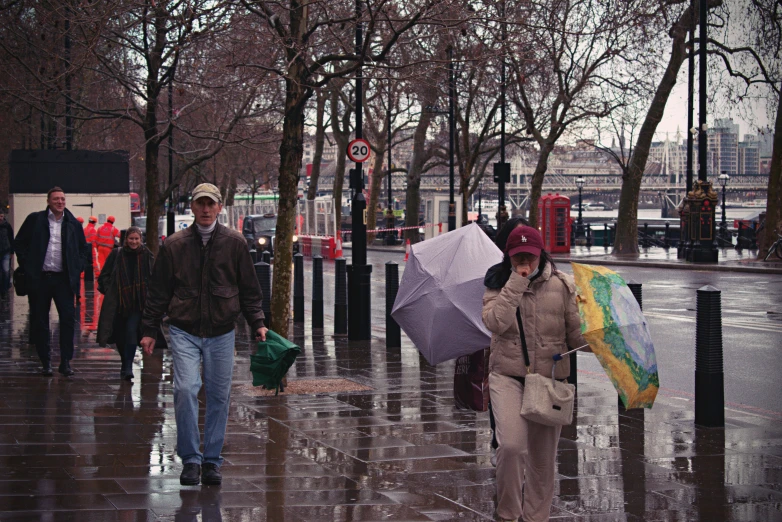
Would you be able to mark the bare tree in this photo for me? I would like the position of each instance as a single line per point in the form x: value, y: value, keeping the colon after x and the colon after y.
x: 574, y: 61
x: 321, y: 123
x: 316, y: 40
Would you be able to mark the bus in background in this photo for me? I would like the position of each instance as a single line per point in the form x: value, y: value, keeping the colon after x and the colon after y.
x: 135, y: 205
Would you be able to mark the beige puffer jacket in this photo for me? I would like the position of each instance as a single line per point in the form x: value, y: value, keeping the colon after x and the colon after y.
x: 549, y: 314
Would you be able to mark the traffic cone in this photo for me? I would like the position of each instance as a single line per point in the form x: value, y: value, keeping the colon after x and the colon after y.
x: 338, y: 247
x: 407, y: 250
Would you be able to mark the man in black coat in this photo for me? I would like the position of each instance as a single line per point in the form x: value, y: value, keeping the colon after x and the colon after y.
x: 52, y: 251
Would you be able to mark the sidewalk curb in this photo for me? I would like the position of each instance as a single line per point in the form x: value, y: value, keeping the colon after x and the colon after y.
x: 663, y: 264
x: 596, y: 260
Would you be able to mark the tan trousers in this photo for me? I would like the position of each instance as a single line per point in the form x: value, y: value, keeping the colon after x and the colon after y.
x: 526, y: 455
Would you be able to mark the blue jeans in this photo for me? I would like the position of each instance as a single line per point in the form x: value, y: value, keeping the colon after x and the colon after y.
x: 217, y: 354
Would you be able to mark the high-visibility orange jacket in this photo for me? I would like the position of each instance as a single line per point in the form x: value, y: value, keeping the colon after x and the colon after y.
x: 90, y: 233
x: 106, y: 234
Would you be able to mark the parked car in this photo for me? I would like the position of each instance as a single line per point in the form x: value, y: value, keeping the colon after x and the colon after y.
x: 259, y: 231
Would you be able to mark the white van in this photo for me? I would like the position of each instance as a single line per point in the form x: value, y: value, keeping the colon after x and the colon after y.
x: 180, y: 223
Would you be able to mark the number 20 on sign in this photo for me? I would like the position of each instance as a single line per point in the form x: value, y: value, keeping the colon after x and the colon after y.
x: 358, y: 150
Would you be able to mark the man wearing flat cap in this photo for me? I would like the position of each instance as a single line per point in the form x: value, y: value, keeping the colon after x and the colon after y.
x: 203, y: 278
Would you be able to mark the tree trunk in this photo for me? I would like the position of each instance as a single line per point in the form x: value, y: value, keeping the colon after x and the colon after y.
x: 320, y: 136
x: 774, y: 205
x: 341, y: 135
x: 537, y: 183
x: 291, y: 152
x: 413, y: 195
x: 378, y: 176
x: 154, y: 206
x: 627, y: 221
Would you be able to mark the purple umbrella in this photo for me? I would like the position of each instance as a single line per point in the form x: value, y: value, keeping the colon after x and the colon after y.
x: 441, y: 294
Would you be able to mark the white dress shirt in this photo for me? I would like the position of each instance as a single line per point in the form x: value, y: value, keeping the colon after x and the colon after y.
x: 53, y: 260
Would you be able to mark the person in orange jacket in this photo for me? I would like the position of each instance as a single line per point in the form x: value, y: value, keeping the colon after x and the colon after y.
x: 91, y: 235
x: 105, y: 239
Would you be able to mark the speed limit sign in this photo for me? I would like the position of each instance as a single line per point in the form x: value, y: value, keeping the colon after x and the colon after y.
x: 358, y: 150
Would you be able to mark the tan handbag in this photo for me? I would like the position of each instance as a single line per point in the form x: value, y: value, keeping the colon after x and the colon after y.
x: 546, y: 401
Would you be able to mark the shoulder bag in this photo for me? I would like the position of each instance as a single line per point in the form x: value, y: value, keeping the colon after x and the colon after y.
x: 546, y: 401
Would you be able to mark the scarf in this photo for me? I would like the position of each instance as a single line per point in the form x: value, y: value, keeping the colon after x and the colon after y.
x: 131, y: 283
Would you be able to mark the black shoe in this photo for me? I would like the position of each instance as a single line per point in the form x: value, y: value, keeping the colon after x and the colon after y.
x: 128, y: 376
x: 47, y: 369
x: 65, y: 368
x: 191, y: 475
x: 210, y: 475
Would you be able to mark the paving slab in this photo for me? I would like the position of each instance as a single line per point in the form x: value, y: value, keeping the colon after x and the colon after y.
x: 94, y: 448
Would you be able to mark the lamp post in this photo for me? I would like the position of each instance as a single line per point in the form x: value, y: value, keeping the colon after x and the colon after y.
x: 480, y: 207
x: 391, y: 235
x: 359, y: 272
x: 723, y: 179
x: 170, y: 215
x: 580, y: 222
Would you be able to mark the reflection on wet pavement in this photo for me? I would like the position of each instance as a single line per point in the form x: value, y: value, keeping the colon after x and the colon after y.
x: 92, y: 448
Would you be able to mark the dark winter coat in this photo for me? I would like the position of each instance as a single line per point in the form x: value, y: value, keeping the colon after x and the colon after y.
x: 202, y: 289
x: 107, y: 285
x: 32, y: 240
x: 549, y: 316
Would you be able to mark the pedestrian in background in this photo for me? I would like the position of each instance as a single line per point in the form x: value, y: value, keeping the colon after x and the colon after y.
x: 6, y: 251
x: 528, y: 281
x: 91, y: 235
x: 203, y: 277
x: 106, y: 239
x: 52, y: 252
x: 124, y: 282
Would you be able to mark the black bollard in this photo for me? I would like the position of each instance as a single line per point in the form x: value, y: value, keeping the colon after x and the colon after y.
x: 754, y: 238
x: 340, y: 297
x: 393, y: 334
x: 266, y: 257
x: 646, y: 236
x: 264, y: 274
x: 666, y: 240
x: 317, y: 292
x: 637, y: 289
x: 254, y: 255
x: 709, y: 377
x: 589, y: 236
x: 605, y: 235
x: 298, y: 288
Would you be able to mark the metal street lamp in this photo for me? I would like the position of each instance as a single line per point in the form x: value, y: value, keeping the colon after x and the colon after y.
x: 480, y: 207
x: 580, y: 223
x: 723, y: 179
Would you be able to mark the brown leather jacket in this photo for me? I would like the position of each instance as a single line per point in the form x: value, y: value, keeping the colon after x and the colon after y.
x: 202, y: 289
x: 550, y: 318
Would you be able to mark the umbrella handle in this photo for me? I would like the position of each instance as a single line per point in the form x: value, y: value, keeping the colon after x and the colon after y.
x: 558, y: 357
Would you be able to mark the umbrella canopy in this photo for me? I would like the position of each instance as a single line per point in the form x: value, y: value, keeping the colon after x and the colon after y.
x: 440, y: 297
x: 272, y: 359
x: 615, y: 328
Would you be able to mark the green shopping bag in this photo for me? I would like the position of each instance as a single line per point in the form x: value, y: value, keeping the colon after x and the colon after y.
x: 271, y: 360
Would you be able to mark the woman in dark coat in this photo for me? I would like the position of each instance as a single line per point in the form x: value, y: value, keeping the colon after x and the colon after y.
x: 123, y: 282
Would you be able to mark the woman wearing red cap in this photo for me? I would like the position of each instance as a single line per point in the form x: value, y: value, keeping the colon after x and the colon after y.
x: 527, y: 280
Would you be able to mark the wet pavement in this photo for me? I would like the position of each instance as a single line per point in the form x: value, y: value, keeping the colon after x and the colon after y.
x: 93, y: 448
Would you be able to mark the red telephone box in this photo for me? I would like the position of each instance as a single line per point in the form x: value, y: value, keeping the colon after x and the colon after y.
x: 554, y: 222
